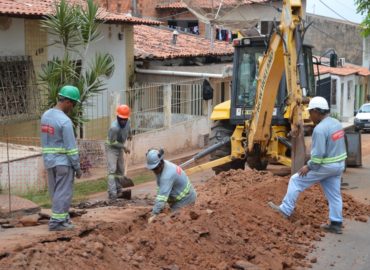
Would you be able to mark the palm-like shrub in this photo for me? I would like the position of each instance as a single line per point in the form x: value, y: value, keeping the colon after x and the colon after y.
x: 73, y: 28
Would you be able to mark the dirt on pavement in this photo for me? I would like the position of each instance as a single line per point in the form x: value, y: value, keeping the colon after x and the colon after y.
x: 229, y: 227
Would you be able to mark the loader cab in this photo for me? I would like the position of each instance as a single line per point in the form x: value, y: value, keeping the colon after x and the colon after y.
x: 247, y: 52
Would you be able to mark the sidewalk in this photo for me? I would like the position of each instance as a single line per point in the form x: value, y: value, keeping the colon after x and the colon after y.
x: 18, y: 206
x: 348, y: 124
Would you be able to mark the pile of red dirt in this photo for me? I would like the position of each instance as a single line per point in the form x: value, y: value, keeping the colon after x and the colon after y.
x: 230, y: 227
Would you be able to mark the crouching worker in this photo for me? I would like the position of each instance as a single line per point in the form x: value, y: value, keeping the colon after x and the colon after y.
x: 173, y: 184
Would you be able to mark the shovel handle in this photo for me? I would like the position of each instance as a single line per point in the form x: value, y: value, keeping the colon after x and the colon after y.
x: 129, y: 146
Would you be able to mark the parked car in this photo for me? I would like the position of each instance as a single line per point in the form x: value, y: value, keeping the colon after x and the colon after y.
x: 362, y: 118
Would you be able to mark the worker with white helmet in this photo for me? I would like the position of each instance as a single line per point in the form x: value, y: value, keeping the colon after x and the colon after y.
x: 118, y: 133
x: 327, y: 163
x: 173, y: 184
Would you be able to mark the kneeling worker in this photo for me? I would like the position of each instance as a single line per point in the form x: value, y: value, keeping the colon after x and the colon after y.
x: 173, y: 184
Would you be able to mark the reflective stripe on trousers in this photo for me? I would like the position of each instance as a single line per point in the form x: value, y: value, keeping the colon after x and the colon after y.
x: 60, y: 185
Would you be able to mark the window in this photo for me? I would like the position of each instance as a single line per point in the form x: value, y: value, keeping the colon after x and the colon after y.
x: 19, y: 95
x: 247, y: 71
x: 349, y: 89
x: 333, y: 92
x: 184, y: 25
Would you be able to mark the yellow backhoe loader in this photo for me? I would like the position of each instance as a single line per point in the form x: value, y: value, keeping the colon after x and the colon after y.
x: 264, y: 120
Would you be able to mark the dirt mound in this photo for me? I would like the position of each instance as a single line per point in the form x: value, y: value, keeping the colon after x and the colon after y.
x: 230, y: 227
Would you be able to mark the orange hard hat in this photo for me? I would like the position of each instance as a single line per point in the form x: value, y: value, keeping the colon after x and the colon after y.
x: 123, y: 111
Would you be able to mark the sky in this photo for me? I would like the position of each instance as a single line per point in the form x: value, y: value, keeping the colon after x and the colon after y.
x: 339, y: 9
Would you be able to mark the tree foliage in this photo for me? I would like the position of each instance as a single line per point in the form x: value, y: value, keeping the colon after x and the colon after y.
x: 363, y: 7
x: 73, y: 28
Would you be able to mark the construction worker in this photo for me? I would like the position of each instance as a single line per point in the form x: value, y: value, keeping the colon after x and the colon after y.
x: 173, y: 184
x: 326, y: 166
x: 118, y: 133
x: 61, y: 156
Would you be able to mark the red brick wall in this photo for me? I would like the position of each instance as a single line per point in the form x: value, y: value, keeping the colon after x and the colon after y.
x: 120, y: 6
x: 147, y: 8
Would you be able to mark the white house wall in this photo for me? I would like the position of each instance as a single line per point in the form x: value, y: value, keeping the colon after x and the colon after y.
x: 108, y: 43
x: 12, y: 41
x: 345, y: 106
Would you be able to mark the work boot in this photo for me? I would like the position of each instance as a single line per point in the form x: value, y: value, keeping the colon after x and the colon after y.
x: 333, y: 227
x: 65, y: 226
x: 277, y: 209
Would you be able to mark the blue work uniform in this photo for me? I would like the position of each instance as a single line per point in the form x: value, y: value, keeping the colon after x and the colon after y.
x: 117, y: 137
x: 174, y: 187
x: 327, y: 163
x: 61, y: 159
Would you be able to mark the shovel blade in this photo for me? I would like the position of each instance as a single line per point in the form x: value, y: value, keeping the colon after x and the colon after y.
x: 298, y: 152
x: 124, y: 194
x: 126, y: 182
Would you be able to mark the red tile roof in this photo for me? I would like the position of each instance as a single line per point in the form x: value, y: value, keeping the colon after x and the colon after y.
x: 39, y: 8
x: 179, y: 4
x: 156, y: 43
x: 348, y: 69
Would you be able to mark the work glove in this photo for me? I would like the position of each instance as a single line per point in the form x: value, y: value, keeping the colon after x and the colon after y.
x: 78, y: 174
x: 127, y: 151
x: 151, y: 219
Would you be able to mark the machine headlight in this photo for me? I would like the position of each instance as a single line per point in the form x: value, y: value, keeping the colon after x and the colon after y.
x: 356, y: 120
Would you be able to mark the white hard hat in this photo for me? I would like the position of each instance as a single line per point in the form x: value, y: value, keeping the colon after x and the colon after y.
x: 153, y: 158
x: 318, y: 103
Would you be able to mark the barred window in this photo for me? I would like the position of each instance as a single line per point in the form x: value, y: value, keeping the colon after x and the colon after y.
x: 333, y: 97
x: 19, y: 96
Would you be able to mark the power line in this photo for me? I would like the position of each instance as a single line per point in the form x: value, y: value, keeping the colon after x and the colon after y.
x: 332, y: 37
x: 334, y: 11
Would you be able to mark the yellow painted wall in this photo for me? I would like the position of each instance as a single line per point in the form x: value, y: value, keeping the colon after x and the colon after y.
x: 30, y: 128
x: 130, y: 68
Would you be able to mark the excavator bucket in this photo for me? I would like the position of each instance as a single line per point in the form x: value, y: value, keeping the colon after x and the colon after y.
x: 298, y: 152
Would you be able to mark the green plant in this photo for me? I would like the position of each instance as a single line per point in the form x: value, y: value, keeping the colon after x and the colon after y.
x: 82, y: 190
x: 335, y: 115
x: 74, y: 28
x: 363, y: 7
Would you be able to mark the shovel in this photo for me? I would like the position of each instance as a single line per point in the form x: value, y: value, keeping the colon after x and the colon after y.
x: 127, y: 182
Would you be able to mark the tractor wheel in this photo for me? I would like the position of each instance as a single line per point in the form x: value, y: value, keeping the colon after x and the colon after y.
x: 220, y: 130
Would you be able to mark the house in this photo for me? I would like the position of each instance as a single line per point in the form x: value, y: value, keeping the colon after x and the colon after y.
x: 25, y: 47
x: 346, y: 87
x: 162, y: 56
x: 209, y: 18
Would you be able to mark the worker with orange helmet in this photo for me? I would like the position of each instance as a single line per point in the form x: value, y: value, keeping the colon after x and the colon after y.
x: 118, y: 133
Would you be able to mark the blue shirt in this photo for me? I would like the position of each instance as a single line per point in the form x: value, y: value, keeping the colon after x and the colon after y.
x: 58, y: 140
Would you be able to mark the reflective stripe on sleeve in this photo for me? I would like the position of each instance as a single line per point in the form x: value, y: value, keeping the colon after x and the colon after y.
x: 162, y: 198
x: 184, y: 192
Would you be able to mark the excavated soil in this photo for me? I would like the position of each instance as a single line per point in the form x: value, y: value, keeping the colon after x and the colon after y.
x: 230, y: 227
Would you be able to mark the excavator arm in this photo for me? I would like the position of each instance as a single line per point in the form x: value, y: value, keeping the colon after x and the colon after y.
x: 257, y: 125
x: 284, y: 53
